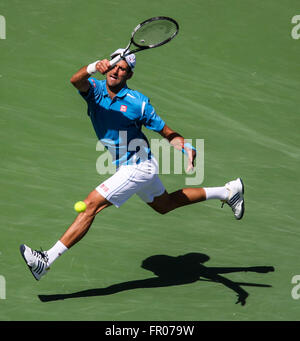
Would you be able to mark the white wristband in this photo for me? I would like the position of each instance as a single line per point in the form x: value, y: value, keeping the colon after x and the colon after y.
x: 91, y: 68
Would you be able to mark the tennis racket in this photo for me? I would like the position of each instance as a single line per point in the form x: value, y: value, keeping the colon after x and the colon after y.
x: 149, y: 34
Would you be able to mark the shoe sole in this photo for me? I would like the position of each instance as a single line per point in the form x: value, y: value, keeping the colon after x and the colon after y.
x: 22, y: 250
x: 243, y: 204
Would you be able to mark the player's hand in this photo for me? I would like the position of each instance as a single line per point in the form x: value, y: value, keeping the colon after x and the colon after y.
x: 191, y: 155
x: 178, y: 143
x: 103, y: 66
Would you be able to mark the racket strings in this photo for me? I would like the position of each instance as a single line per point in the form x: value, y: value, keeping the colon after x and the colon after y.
x: 155, y: 33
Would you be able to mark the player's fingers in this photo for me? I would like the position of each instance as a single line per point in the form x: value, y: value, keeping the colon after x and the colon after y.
x: 189, y: 168
x: 190, y: 156
x: 103, y: 66
x: 99, y: 67
x: 190, y: 165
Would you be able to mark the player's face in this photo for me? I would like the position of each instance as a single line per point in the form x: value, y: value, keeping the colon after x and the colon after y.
x: 118, y: 76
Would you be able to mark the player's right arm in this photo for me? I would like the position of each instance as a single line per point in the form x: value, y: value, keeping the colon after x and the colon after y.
x: 80, y: 78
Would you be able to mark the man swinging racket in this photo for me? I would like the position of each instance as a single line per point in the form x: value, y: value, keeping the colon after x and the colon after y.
x: 115, y: 108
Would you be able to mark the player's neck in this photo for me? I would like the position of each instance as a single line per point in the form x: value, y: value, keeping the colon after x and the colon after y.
x: 113, y: 91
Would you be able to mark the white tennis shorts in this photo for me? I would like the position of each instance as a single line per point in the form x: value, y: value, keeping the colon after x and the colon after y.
x: 141, y: 179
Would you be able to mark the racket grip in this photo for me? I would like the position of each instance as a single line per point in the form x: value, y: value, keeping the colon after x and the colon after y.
x: 115, y: 61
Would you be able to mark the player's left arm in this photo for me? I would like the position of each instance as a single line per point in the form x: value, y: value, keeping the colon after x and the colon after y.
x: 178, y: 142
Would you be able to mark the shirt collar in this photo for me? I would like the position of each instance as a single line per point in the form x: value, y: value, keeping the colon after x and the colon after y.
x: 122, y: 93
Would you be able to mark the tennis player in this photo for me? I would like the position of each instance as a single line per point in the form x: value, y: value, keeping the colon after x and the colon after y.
x: 114, y: 108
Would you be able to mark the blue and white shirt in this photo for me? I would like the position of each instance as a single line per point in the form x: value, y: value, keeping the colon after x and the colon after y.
x: 118, y: 122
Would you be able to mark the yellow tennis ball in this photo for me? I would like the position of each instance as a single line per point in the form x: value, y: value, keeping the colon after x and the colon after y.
x: 80, y: 206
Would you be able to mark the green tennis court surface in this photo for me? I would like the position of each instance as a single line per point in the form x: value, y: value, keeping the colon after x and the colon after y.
x: 231, y: 77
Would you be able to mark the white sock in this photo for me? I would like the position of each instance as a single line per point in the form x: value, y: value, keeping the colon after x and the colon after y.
x: 57, y: 250
x: 220, y: 193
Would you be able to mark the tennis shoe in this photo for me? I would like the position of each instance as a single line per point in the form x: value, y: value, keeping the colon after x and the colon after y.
x: 236, y: 197
x: 37, y: 261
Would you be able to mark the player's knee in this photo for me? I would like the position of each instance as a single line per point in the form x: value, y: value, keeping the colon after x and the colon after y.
x: 95, y: 203
x: 91, y: 207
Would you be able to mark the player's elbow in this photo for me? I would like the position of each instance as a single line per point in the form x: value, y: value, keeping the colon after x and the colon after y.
x: 81, y: 85
x: 73, y: 80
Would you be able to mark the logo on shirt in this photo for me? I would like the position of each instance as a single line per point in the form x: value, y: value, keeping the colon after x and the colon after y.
x: 104, y: 188
x: 123, y: 108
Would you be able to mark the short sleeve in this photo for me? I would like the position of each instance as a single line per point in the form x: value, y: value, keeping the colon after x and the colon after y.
x: 94, y: 91
x: 150, y: 119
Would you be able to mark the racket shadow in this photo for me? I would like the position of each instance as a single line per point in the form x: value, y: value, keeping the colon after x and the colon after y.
x: 171, y: 271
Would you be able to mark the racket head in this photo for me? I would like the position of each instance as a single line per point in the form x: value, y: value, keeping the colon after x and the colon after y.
x: 154, y: 32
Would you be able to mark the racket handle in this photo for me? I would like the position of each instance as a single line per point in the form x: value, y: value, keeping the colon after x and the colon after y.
x: 115, y: 61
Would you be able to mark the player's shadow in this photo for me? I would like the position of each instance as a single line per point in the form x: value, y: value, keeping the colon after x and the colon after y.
x: 172, y: 271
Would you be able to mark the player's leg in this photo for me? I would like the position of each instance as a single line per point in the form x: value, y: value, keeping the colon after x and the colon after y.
x: 39, y: 261
x: 231, y: 193
x: 170, y: 201
x: 95, y: 203
x: 114, y: 191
